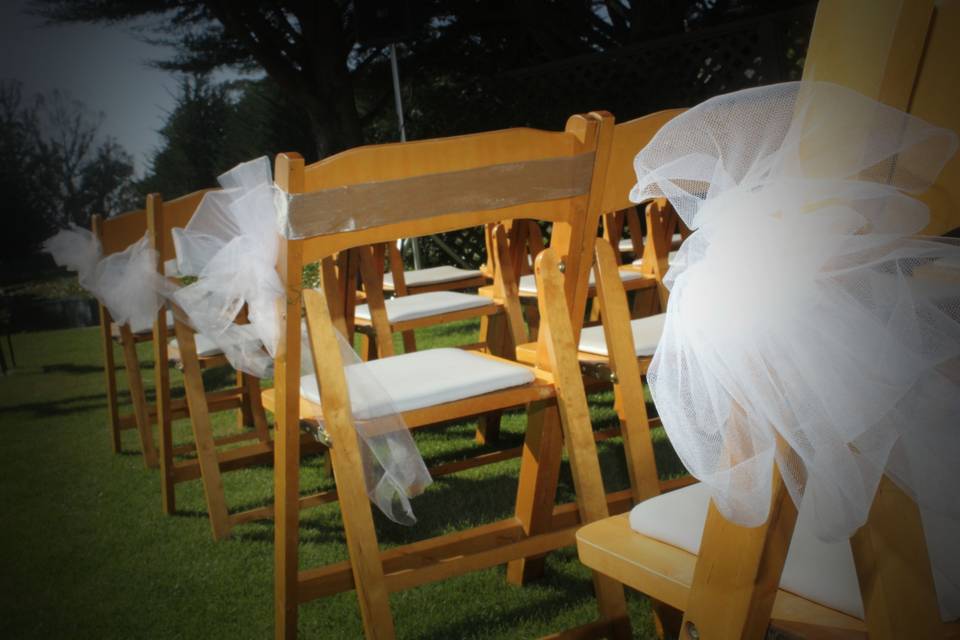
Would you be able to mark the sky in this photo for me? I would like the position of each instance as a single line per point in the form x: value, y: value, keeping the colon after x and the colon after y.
x: 104, y: 67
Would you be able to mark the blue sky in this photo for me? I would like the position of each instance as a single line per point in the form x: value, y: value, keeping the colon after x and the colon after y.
x: 103, y: 66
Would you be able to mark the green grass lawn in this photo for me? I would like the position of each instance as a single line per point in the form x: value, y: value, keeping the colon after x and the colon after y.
x: 87, y: 553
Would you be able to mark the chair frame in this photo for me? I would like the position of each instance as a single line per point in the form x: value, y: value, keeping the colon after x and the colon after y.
x: 377, y: 332
x: 901, y: 53
x: 210, y: 460
x: 538, y: 526
x: 116, y: 234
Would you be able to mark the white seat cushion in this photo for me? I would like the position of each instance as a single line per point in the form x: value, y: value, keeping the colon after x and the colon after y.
x: 432, y: 275
x: 816, y: 570
x: 205, y: 346
x: 671, y: 257
x: 626, y: 244
x: 149, y: 327
x: 241, y: 333
x: 646, y: 336
x: 424, y: 379
x: 423, y: 305
x: 528, y: 283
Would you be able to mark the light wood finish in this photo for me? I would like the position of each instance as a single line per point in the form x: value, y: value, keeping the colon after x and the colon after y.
x: 882, y: 49
x: 115, y: 235
x: 654, y: 567
x: 893, y: 569
x: 209, y: 459
x: 581, y: 448
x: 534, y: 524
x: 504, y: 300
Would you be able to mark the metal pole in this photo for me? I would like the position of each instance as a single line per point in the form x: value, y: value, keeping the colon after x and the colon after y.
x: 403, y: 131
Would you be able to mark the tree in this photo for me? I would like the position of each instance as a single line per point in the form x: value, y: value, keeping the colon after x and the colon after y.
x: 57, y: 171
x: 82, y: 174
x: 24, y: 212
x: 307, y: 46
x: 214, y: 127
x: 193, y: 138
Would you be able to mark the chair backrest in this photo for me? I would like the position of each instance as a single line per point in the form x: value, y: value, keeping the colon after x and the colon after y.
x: 165, y: 216
x: 903, y: 53
x: 434, y: 186
x: 120, y: 231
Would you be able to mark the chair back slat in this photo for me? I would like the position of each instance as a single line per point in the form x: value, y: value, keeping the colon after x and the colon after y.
x: 628, y: 139
x: 119, y: 232
x: 380, y: 163
x: 166, y: 215
x: 496, y: 186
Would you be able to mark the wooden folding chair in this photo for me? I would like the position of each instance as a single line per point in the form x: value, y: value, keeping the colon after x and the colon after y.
x: 461, y: 165
x: 615, y: 222
x: 902, y: 53
x: 378, y: 318
x: 115, y: 235
x: 641, y: 278
x: 204, y: 458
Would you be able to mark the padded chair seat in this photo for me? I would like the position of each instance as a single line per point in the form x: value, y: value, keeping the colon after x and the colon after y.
x: 432, y: 275
x: 646, y: 336
x: 207, y: 348
x: 822, y: 572
x: 423, y: 305
x: 424, y: 379
x: 670, y: 259
x: 626, y: 244
x: 149, y: 328
x: 528, y: 283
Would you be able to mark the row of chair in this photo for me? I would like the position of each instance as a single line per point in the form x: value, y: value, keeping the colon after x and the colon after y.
x: 542, y: 359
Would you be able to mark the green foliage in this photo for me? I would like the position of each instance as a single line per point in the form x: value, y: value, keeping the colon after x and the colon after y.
x: 213, y: 127
x: 87, y: 553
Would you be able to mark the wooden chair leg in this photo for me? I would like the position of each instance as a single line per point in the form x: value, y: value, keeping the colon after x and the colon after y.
x: 532, y: 317
x: 254, y: 403
x: 138, y: 397
x: 362, y: 544
x: 646, y: 302
x: 110, y: 376
x: 244, y: 415
x: 488, y: 428
x: 537, y: 488
x: 368, y: 347
x: 168, y: 495
x: 594, y: 316
x: 409, y: 341
x: 893, y: 569
x: 577, y: 430
x: 637, y: 444
x: 355, y: 508
x: 666, y: 619
x: 738, y: 571
x: 203, y: 434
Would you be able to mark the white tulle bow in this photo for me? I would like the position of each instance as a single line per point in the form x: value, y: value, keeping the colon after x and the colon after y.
x: 803, y: 306
x: 126, y: 282
x: 231, y: 245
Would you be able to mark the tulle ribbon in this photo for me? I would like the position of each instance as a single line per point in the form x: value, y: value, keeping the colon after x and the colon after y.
x: 805, y: 306
x: 231, y: 245
x: 126, y: 282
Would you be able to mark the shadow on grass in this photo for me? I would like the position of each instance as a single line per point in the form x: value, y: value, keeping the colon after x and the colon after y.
x: 66, y: 406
